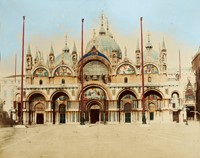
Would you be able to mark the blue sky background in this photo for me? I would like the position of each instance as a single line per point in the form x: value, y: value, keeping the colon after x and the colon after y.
x: 47, y: 21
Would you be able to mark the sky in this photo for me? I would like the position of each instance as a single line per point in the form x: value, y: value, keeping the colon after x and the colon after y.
x: 47, y: 22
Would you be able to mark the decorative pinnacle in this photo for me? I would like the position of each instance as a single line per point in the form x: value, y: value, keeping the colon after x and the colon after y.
x: 163, y: 45
x: 29, y: 49
x: 138, y: 47
x: 102, y: 16
x: 51, y: 51
x: 74, y: 49
x: 148, y: 36
x: 66, y: 39
x: 107, y: 25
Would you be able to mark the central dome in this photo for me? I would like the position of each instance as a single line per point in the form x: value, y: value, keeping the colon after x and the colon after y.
x: 150, y: 55
x: 105, y: 44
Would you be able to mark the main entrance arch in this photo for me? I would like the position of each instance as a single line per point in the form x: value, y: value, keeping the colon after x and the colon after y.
x: 95, y: 105
x: 37, y: 105
x: 59, y: 104
x: 153, y: 101
x: 94, y: 113
x: 127, y: 104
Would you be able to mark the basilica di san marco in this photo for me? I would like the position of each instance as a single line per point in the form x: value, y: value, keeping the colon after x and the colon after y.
x: 112, y: 87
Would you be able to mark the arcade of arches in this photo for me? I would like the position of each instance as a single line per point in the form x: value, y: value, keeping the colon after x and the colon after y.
x: 97, y: 108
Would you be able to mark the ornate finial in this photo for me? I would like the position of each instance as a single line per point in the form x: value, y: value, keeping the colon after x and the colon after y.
x: 125, y: 51
x: 74, y: 49
x: 102, y: 16
x: 51, y: 50
x: 107, y: 24
x: 163, y: 45
x: 66, y: 39
x: 148, y: 36
x: 29, y: 49
x: 138, y: 47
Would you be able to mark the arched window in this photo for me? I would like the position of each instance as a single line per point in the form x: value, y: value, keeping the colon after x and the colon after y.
x: 63, y: 81
x: 40, y: 82
x: 149, y: 79
x: 125, y: 80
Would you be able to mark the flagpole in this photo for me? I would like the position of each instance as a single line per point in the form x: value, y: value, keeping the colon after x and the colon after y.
x: 82, y: 91
x: 179, y: 65
x: 143, y: 101
x: 22, y: 75
x: 15, y: 66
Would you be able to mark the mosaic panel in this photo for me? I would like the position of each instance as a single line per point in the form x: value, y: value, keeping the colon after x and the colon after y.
x: 150, y: 69
x: 41, y: 72
x: 126, y: 69
x: 94, y: 93
x: 63, y: 71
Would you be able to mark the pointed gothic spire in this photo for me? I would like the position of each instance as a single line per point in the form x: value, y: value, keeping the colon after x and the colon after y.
x: 37, y: 56
x: 148, y: 37
x: 163, y: 45
x: 29, y: 50
x: 66, y: 39
x: 66, y: 49
x: 107, y: 24
x: 74, y: 49
x: 102, y: 16
x: 51, y: 50
x: 138, y: 47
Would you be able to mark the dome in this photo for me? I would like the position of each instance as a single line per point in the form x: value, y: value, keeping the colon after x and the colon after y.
x: 66, y: 57
x: 150, y: 55
x: 104, y: 43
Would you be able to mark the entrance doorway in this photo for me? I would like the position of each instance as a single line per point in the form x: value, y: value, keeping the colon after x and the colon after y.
x: 62, y: 113
x: 176, y: 116
x: 128, y: 117
x: 62, y: 118
x: 94, y: 115
x: 151, y: 115
x: 40, y: 119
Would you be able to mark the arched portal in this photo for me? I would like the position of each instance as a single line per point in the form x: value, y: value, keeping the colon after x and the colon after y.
x: 59, y: 104
x: 36, y: 108
x: 153, y: 101
x: 62, y: 109
x: 127, y: 111
x: 94, y: 112
x: 127, y: 104
x: 39, y: 110
x: 95, y: 97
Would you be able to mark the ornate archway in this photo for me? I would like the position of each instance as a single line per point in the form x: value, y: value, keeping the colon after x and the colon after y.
x: 37, y: 106
x: 59, y: 106
x: 127, y: 103
x: 94, y: 111
x: 95, y: 97
x: 153, y: 101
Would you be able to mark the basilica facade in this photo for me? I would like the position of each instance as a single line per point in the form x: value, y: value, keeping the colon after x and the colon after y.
x: 112, y: 91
